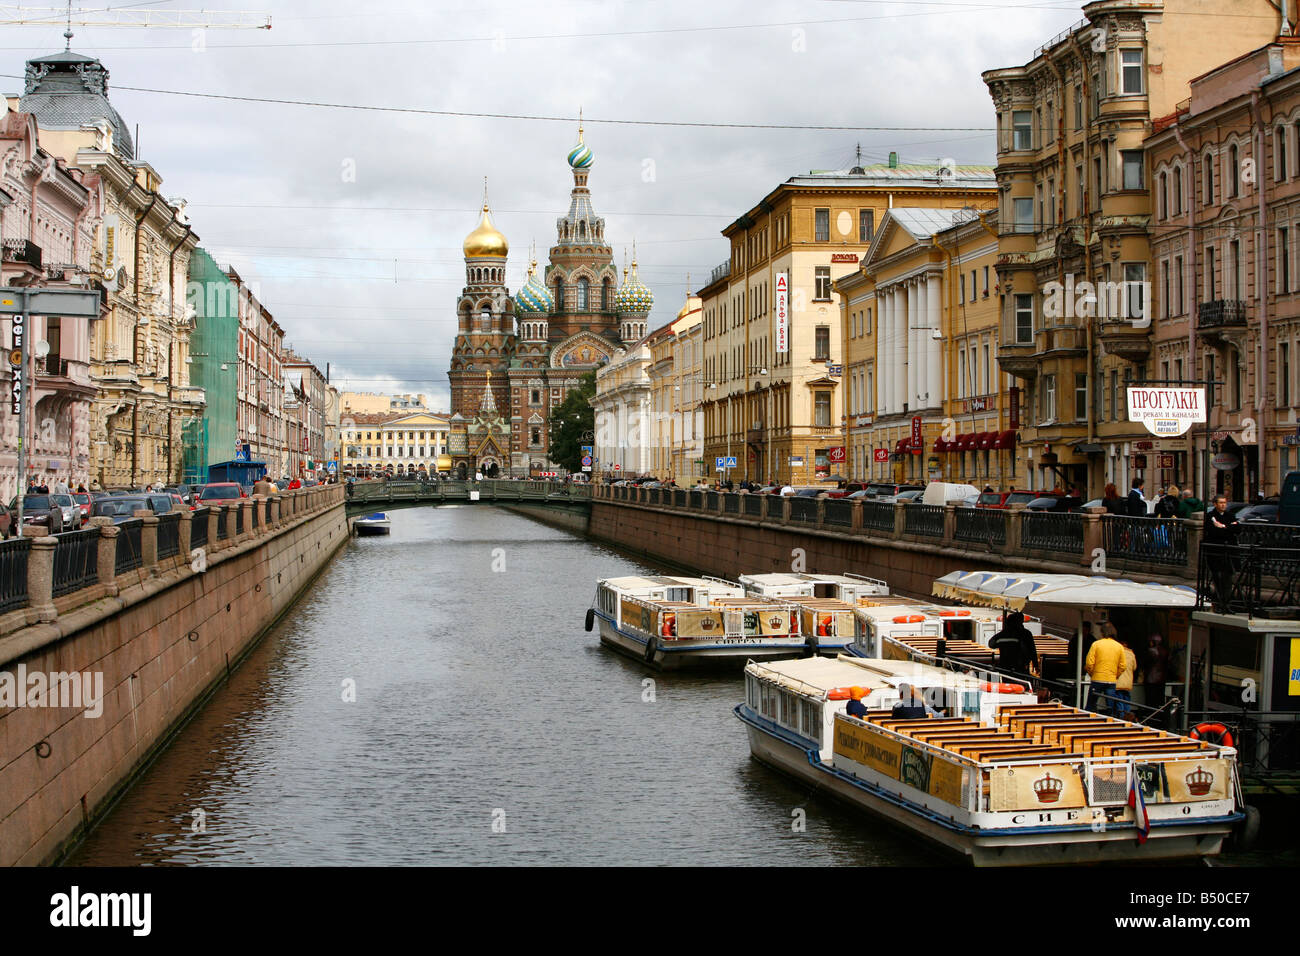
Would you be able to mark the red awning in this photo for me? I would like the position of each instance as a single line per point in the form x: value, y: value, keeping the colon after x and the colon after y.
x: 1006, y: 439
x: 903, y: 445
x: 964, y: 442
x: 939, y: 445
x: 986, y: 439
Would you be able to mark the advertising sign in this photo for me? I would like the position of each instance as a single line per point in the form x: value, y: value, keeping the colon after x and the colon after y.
x: 836, y: 455
x: 782, y: 312
x: 881, y: 454
x: 16, y: 360
x: 917, y: 443
x: 1166, y: 410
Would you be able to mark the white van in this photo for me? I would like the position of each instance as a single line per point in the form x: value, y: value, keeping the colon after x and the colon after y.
x: 946, y: 492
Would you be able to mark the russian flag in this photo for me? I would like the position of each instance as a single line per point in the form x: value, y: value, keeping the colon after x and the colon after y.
x: 1139, y: 808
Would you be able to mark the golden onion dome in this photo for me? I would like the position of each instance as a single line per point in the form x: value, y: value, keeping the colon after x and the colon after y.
x: 486, y: 240
x: 693, y: 303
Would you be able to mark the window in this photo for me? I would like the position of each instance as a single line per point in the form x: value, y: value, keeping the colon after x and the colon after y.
x: 1279, y: 154
x: 822, y: 338
x: 1178, y: 190
x: 961, y: 287
x: 1233, y: 286
x: 1078, y: 185
x: 536, y: 397
x: 1096, y: 95
x: 1078, y: 107
x: 822, y: 283
x: 986, y: 282
x: 1024, y: 318
x: 1284, y: 375
x: 1132, y: 160
x: 1096, y: 182
x: 1178, y: 285
x: 1080, y: 397
x: 822, y: 409
x: 1233, y: 170
x: 1165, y: 303
x: 1130, y: 71
x: 1283, y: 260
x: 1135, y: 290
x: 866, y: 224
x: 1114, y: 395
x: 1163, y: 199
x: 822, y: 225
x: 1024, y: 215
x: 1050, y: 218
x: 1049, y: 398
x: 1022, y: 130
x: 537, y: 436
x: 1207, y: 176
x: 1211, y: 266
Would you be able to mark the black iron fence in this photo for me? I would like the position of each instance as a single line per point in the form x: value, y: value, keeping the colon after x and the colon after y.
x: 838, y: 512
x: 239, y: 519
x: 731, y: 504
x: 267, y: 519
x: 223, y: 523
x: 1247, y: 579
x: 76, y: 561
x: 169, y: 535
x: 1052, y: 531
x: 754, y: 505
x: 679, y: 497
x: 129, y: 551
x: 711, y: 500
x: 803, y: 509
x: 878, y: 516
x: 199, y: 527
x: 13, y: 573
x: 1144, y: 540
x: 924, y: 520
x: 773, y: 506
x: 981, y: 526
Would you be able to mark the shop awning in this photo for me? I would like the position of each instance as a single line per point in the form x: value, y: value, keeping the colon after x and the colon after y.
x: 939, y: 445
x: 1015, y: 590
x: 1006, y: 439
x: 903, y: 446
x: 986, y: 440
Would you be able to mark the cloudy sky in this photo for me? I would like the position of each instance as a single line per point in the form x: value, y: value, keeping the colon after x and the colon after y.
x: 351, y: 220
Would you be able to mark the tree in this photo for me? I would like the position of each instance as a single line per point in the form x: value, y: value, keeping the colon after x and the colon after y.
x: 573, y: 423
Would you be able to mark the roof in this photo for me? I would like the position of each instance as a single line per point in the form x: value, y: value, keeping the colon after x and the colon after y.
x: 66, y: 91
x: 820, y: 674
x: 919, y: 174
x: 923, y: 223
x: 1077, y: 590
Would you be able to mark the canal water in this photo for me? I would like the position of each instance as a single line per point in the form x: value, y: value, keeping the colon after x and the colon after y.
x: 487, y: 728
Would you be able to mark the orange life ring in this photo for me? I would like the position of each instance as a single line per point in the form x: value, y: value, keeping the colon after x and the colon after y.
x: 909, y: 619
x: 824, y: 626
x: 838, y: 693
x: 990, y: 688
x: 669, y: 628
x: 1207, y: 730
x: 954, y: 613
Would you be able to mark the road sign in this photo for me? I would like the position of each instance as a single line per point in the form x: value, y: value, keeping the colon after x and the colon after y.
x: 587, y: 450
x: 586, y: 461
x: 331, y: 466
x: 586, y: 467
x: 62, y: 302
x: 731, y: 461
x: 618, y: 467
x: 796, y: 461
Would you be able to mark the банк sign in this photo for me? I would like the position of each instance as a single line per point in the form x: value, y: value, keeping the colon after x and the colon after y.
x: 1167, y: 411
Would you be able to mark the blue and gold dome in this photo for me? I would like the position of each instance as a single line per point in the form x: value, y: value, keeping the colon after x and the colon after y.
x: 581, y: 156
x: 633, y: 296
x: 534, y: 298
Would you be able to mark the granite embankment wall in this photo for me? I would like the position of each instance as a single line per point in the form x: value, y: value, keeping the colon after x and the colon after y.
x: 163, y: 636
x: 575, y: 518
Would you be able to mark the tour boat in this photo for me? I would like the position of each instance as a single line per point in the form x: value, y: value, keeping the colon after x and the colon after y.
x: 998, y: 778
x: 377, y: 523
x: 844, y: 587
x: 676, y: 622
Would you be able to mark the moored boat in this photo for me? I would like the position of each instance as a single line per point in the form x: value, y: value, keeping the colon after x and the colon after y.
x: 996, y: 777
x: 676, y: 622
x: 377, y: 523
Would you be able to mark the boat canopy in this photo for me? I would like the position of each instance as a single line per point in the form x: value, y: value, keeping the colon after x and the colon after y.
x: 1017, y: 591
x: 817, y: 675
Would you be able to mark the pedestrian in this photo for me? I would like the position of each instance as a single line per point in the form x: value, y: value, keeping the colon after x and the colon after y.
x: 1155, y: 664
x: 855, y: 707
x: 1220, y: 527
x: 1167, y: 506
x: 1017, y: 653
x: 1191, y: 506
x: 1104, y: 664
x: 263, y: 487
x: 81, y: 488
x: 1111, y: 499
x: 1124, y: 683
x: 1137, y: 502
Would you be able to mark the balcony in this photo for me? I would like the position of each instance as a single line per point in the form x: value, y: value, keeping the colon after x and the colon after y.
x: 1220, y: 318
x: 23, y: 252
x: 1019, y: 359
x: 720, y: 272
x: 1125, y: 340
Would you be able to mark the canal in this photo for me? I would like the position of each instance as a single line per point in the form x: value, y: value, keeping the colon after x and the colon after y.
x: 487, y: 727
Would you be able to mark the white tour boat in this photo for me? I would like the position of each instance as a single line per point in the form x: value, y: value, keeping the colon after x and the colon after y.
x: 377, y: 523
x: 997, y: 778
x: 844, y: 587
x: 674, y: 622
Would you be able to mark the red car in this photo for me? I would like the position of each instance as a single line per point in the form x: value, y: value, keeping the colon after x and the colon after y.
x: 83, y: 504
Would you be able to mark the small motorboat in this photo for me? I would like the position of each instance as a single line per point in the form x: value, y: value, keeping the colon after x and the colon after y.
x: 377, y: 523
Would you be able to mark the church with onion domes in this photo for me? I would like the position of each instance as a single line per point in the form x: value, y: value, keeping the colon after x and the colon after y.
x: 516, y: 356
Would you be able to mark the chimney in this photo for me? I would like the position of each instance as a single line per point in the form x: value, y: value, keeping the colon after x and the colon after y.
x: 893, y: 160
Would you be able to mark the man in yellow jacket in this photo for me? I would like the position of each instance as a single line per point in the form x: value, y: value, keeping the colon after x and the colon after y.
x: 1105, y: 664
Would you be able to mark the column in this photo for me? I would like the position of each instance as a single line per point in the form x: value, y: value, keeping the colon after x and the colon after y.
x: 934, y: 346
x: 882, y: 360
x: 918, y: 358
x: 897, y: 375
x: 909, y: 357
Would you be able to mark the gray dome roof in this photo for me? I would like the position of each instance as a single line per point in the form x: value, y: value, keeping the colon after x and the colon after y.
x: 68, y: 91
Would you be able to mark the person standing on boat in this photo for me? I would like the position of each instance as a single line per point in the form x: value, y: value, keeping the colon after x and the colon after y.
x: 1015, y: 646
x: 1124, y: 683
x: 855, y: 707
x: 911, y: 706
x: 1105, y: 664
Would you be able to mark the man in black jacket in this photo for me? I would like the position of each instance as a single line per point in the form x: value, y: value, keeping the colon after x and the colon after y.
x: 1220, y: 530
x: 1137, y: 502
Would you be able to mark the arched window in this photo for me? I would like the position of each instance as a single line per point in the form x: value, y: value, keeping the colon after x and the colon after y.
x: 1233, y: 172
x: 583, y: 288
x: 605, y: 293
x: 559, y: 296
x: 582, y: 229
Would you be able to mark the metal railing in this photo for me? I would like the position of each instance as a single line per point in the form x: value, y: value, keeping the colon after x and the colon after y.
x: 803, y: 509
x: 878, y: 516
x: 130, y: 552
x: 239, y: 519
x: 838, y: 512
x: 923, y: 520
x: 711, y: 500
x: 1052, y: 531
x: 1221, y: 313
x: 199, y: 527
x: 1133, y: 540
x: 169, y: 534
x: 223, y: 524
x: 13, y: 573
x: 76, y: 561
x: 731, y: 504
x: 268, y: 517
x: 981, y: 526
x: 754, y: 505
x: 1247, y: 579
x: 773, y: 506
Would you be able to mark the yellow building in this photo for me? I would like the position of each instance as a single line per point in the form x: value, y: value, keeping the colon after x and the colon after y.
x: 920, y: 330
x: 773, y: 383
x: 1075, y: 219
x: 406, y: 444
x: 677, y: 440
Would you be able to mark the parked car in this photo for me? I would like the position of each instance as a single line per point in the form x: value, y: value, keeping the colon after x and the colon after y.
x: 1267, y: 513
x: 1004, y: 499
x: 882, y: 489
x: 160, y: 504
x: 39, y: 511
x: 1056, y: 503
x: 119, y: 507
x: 71, y: 512
x: 184, y: 491
x: 83, y: 504
x: 221, y: 493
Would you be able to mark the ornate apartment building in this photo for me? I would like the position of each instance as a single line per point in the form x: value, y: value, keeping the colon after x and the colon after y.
x: 1075, y: 217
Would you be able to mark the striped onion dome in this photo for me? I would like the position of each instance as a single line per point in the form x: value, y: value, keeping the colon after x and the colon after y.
x: 534, y: 298
x: 633, y: 296
x: 581, y: 156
